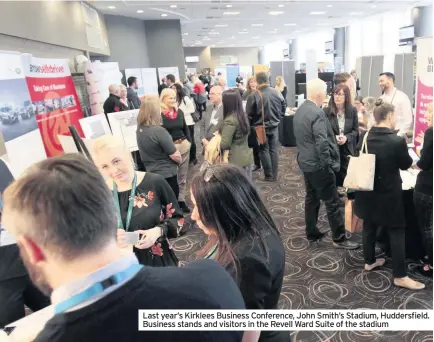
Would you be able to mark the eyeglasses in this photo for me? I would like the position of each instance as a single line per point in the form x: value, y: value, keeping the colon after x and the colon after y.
x: 339, y: 94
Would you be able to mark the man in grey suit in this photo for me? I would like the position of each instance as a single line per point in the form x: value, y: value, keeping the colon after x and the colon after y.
x: 132, y: 96
x: 213, y: 117
x: 318, y: 159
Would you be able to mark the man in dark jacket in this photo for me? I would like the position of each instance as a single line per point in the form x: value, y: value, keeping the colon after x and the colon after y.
x: 274, y: 109
x: 318, y: 158
x: 132, y: 92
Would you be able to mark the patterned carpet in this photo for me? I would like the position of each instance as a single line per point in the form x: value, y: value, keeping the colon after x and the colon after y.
x: 318, y: 276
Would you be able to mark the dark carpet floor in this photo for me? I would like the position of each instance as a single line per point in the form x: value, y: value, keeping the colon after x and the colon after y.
x: 318, y: 276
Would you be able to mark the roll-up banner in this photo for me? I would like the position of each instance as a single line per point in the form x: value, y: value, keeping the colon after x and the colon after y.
x: 54, y: 98
x: 424, y: 88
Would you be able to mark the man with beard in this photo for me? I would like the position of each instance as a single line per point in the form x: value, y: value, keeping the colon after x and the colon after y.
x: 62, y: 215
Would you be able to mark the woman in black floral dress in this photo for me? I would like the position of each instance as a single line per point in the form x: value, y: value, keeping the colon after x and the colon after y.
x: 144, y: 201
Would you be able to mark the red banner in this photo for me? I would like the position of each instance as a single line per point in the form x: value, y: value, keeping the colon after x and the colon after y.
x: 54, y: 99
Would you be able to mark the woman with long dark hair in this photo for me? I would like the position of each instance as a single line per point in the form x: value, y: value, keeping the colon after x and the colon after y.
x: 242, y: 236
x: 186, y: 104
x: 345, y: 124
x: 235, y: 131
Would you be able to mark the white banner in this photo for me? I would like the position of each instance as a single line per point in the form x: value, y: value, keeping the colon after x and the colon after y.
x: 269, y: 320
x: 95, y: 126
x: 137, y: 73
x: 311, y: 65
x: 150, y: 81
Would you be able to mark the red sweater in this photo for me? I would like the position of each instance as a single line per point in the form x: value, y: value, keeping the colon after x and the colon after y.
x: 199, y: 88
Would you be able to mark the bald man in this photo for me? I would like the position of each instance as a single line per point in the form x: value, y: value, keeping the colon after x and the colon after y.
x: 318, y: 159
x: 113, y: 104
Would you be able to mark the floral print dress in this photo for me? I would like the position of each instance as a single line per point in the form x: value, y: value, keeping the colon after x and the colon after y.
x: 155, y: 205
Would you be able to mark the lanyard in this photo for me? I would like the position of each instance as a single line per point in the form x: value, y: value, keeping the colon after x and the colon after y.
x: 211, y: 253
x: 96, y: 289
x: 130, y: 204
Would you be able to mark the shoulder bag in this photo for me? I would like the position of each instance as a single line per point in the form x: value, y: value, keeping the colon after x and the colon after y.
x: 260, y: 130
x: 361, y: 170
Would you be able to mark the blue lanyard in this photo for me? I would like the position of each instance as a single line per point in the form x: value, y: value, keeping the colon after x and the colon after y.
x: 96, y: 289
x: 130, y: 205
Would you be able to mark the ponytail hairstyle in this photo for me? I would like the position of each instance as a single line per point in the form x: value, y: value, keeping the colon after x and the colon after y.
x: 382, y: 109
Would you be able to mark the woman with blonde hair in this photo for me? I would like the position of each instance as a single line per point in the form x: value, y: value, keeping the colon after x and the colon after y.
x: 281, y: 87
x: 156, y: 148
x: 144, y: 203
x: 250, y: 88
x: 173, y: 121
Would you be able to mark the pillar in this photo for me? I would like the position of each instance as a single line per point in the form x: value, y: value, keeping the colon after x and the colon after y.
x: 422, y: 20
x: 339, y: 47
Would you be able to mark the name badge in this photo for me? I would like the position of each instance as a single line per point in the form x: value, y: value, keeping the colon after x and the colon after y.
x: 214, y: 122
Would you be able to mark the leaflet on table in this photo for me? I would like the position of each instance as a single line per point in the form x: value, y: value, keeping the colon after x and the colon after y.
x: 54, y: 98
x: 95, y: 126
x: 424, y: 88
x: 124, y: 125
x: 21, y: 135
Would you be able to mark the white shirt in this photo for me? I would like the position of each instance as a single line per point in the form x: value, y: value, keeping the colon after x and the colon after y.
x: 213, y: 121
x: 187, y: 107
x: 403, y: 110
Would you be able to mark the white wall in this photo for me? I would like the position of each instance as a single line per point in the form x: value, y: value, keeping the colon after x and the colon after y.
x: 314, y: 41
x: 274, y: 51
x: 376, y: 35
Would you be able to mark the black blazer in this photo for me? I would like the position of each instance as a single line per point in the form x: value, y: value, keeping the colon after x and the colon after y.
x: 261, y: 276
x: 384, y: 206
x: 351, y: 128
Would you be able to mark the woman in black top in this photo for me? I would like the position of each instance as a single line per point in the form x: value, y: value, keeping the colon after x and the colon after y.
x: 242, y: 236
x: 174, y: 122
x: 344, y: 121
x: 384, y: 205
x: 144, y: 202
x: 157, y: 151
x: 423, y: 193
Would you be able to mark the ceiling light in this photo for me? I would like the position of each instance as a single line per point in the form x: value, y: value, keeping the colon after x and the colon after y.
x: 280, y: 6
x: 139, y: 11
x: 329, y: 6
x: 232, y: 37
x: 275, y: 12
x: 374, y: 6
x: 185, y: 34
x: 112, y: 7
x: 243, y: 32
x: 356, y: 13
x: 221, y: 25
x: 228, y: 6
x: 257, y: 25
x: 243, y: 29
x: 290, y: 24
x: 256, y: 37
x: 213, y: 33
x: 213, y: 45
x: 164, y: 15
x: 272, y: 32
x: 317, y: 13
x: 173, y: 6
x: 206, y: 38
x: 231, y: 13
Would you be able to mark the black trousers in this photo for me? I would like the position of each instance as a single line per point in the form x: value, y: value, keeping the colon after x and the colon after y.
x: 193, y: 144
x: 321, y: 185
x: 173, y: 182
x: 424, y: 212
x: 201, y: 107
x: 397, y: 246
x: 269, y: 154
x: 256, y: 157
x: 14, y: 294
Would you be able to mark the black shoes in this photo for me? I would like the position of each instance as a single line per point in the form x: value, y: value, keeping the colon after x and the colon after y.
x: 346, y: 244
x: 256, y: 168
x: 316, y: 237
x: 184, y: 208
x: 270, y: 179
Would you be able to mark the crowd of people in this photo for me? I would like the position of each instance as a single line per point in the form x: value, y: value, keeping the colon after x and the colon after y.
x: 100, y: 230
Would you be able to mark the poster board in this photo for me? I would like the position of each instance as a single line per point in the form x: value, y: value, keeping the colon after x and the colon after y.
x: 124, y: 125
x: 163, y: 72
x: 95, y: 126
x: 191, y: 71
x: 246, y: 71
x: 424, y: 87
x: 68, y: 144
x: 137, y: 73
x: 150, y: 81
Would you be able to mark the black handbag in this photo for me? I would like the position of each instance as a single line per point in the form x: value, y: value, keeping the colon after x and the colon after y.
x: 253, y: 138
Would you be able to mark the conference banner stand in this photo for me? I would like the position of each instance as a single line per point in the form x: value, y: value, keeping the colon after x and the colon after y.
x: 370, y: 69
x: 404, y: 73
x: 286, y: 69
x: 424, y: 87
x: 163, y: 72
x: 147, y: 81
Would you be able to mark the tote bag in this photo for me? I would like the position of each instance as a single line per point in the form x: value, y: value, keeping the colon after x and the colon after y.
x: 361, y: 170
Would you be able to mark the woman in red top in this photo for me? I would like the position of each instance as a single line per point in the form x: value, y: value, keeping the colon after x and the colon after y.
x: 201, y: 97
